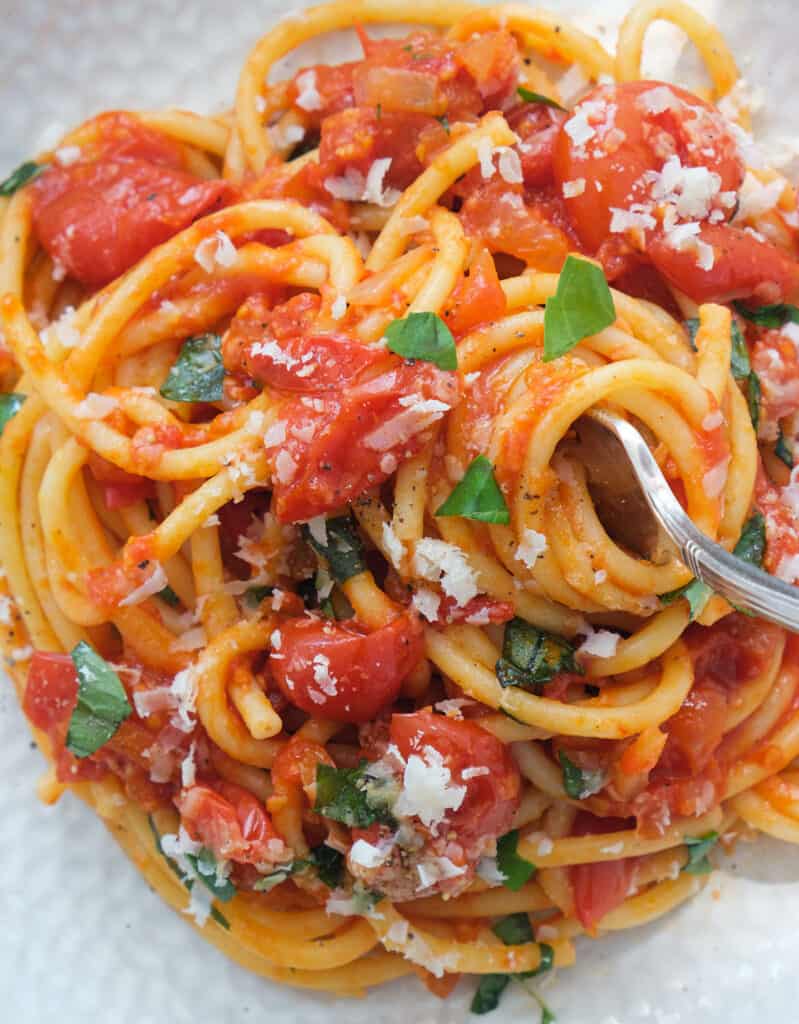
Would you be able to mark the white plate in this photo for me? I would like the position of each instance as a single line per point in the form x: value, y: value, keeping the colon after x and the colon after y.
x: 82, y: 939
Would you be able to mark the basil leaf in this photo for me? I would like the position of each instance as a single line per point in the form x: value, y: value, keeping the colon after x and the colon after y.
x: 739, y: 354
x: 783, y: 451
x: 582, y: 306
x: 489, y: 990
x: 343, y: 549
x: 531, y: 657
x: 423, y: 336
x: 187, y: 882
x: 254, y: 595
x: 692, y: 326
x: 514, y: 929
x: 579, y: 783
x: 10, y: 404
x: 698, y: 849
x: 547, y: 1016
x: 547, y: 961
x: 21, y: 176
x: 204, y: 863
x: 753, y: 398
x: 353, y: 796
x: 364, y: 899
x: 197, y: 374
x: 329, y: 864
x: 774, y: 316
x: 102, y: 702
x: 477, y: 496
x: 266, y: 883
x: 168, y: 596
x: 751, y: 544
x: 535, y: 97
x: 516, y: 869
x: 696, y: 593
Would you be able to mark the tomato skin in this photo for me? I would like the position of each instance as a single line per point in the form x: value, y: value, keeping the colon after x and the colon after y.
x: 367, y: 668
x: 694, y: 732
x: 51, y: 691
x: 230, y: 821
x: 537, y: 125
x: 599, y: 888
x: 491, y: 800
x: 104, y: 212
x: 476, y: 299
x: 630, y: 140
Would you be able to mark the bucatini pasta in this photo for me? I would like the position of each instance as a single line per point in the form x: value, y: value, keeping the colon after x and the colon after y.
x: 320, y: 583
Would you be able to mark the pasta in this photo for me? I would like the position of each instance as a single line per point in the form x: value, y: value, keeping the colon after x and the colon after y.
x: 321, y: 585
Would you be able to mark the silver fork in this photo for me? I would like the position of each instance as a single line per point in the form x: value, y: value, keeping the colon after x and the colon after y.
x: 748, y: 588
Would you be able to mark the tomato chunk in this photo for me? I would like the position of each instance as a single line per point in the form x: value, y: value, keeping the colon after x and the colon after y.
x: 491, y: 781
x: 599, y: 888
x: 476, y: 299
x: 52, y: 689
x: 231, y: 822
x: 341, y: 672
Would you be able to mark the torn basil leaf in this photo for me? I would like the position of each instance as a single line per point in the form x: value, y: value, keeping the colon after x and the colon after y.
x: 353, y: 796
x: 21, y: 176
x: 531, y: 657
x: 253, y: 596
x: 423, y: 336
x: 514, y: 929
x: 197, y: 374
x: 579, y: 783
x: 342, y: 548
x: 184, y: 879
x: 10, y: 404
x: 753, y: 399
x: 168, y: 596
x: 489, y: 991
x: 692, y: 326
x: 329, y: 864
x: 477, y: 496
x: 266, y: 883
x: 205, y: 864
x: 581, y: 306
x: 102, y: 702
x: 698, y: 849
x: 696, y: 593
x: 783, y: 451
x: 772, y: 317
x: 536, y: 97
x: 515, y: 869
x: 739, y: 354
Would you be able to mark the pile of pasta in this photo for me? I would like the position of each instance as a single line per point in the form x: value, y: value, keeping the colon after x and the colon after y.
x: 556, y: 569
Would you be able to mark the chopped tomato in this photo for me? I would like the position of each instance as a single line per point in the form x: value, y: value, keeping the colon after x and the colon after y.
x: 775, y: 360
x: 782, y: 535
x: 280, y: 347
x: 477, y: 297
x: 694, y: 732
x: 231, y: 822
x: 340, y: 444
x: 537, y: 125
x: 332, y: 83
x: 601, y: 887
x: 480, y: 611
x: 497, y: 214
x: 127, y: 194
x: 51, y: 691
x: 341, y: 672
x: 491, y: 798
x: 296, y: 764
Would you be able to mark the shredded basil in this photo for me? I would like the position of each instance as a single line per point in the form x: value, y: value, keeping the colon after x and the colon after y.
x: 477, y: 496
x: 753, y: 398
x: 489, y: 990
x: 514, y: 929
x: 423, y: 336
x: 329, y: 864
x: 197, y: 374
x: 266, y: 883
x: 516, y: 870
x: 10, y: 404
x: 773, y: 316
x: 21, y: 176
x: 253, y: 596
x: 205, y: 864
x: 531, y: 657
x: 184, y: 879
x: 698, y: 849
x: 343, y: 549
x: 354, y: 796
x: 692, y: 326
x: 582, y: 306
x: 696, y: 593
x: 168, y: 596
x: 579, y: 783
x: 783, y: 451
x: 102, y: 702
x: 535, y: 97
x: 739, y: 354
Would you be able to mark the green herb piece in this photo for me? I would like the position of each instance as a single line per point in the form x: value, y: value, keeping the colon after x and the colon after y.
x: 444, y: 122
x: 515, y: 869
x: 547, y: 962
x: 266, y: 883
x: 531, y: 657
x: 205, y: 864
x: 353, y: 796
x: 582, y: 306
x: 102, y: 702
x: 698, y: 849
x: 477, y: 496
x: 342, y: 548
x: 753, y: 399
x: 514, y: 929
x: 21, y: 176
x: 489, y: 991
x: 10, y: 404
x: 329, y: 864
x: 197, y: 374
x: 168, y: 596
x: 185, y: 880
x: 696, y: 593
x: 692, y: 326
x: 579, y: 783
x: 535, y: 97
x: 783, y: 451
x: 773, y: 316
x: 547, y: 1016
x: 254, y: 595
x: 739, y: 354
x: 364, y: 899
x: 423, y: 336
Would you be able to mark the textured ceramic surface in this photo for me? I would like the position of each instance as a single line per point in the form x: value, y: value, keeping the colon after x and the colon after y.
x: 82, y: 939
